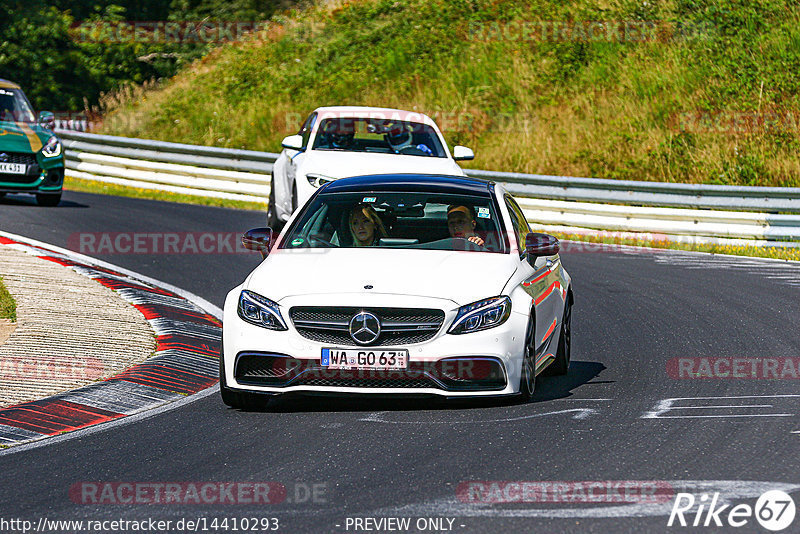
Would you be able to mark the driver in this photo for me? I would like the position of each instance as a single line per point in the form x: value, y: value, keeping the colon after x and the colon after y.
x: 366, y: 228
x: 461, y: 223
x: 341, y: 139
x: 339, y: 133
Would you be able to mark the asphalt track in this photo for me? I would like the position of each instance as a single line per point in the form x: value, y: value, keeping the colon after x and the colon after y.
x: 609, y: 420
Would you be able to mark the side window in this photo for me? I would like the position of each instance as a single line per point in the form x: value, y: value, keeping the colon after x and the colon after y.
x: 518, y: 220
x: 305, y: 130
x: 515, y: 224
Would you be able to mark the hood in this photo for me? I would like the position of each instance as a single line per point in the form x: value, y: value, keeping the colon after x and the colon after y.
x: 22, y: 137
x: 460, y: 277
x: 344, y: 164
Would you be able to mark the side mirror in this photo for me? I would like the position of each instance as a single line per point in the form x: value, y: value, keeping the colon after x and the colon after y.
x: 259, y: 239
x: 293, y: 142
x: 462, y: 153
x: 538, y: 245
x: 46, y: 119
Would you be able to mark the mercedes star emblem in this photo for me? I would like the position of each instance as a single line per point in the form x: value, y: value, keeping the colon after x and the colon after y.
x: 364, y: 328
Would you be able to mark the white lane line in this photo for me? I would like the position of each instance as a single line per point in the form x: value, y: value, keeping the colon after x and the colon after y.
x: 109, y: 425
x: 580, y: 413
x: 721, y: 416
x: 722, y: 406
x: 598, y: 400
x: 665, y: 406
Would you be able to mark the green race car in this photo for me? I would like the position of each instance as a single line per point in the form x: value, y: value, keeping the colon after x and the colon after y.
x: 31, y: 156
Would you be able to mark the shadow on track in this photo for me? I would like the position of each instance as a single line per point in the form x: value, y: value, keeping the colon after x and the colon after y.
x: 547, y: 389
x: 29, y: 200
x: 558, y: 387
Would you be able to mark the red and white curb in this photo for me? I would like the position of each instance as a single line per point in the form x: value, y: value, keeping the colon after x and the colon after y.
x: 188, y: 336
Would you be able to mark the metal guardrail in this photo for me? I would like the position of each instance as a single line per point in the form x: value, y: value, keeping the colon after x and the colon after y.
x: 728, y: 197
x: 176, y: 167
x: 673, y: 211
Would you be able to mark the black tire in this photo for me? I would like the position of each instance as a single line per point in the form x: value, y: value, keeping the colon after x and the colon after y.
x: 560, y: 365
x: 273, y: 221
x: 527, y: 379
x: 48, y: 199
x: 237, y: 399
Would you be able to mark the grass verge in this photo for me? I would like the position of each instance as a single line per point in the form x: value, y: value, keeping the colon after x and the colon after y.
x: 8, y: 306
x: 103, y: 188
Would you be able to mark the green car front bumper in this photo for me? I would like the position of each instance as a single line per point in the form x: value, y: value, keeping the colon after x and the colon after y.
x: 43, y: 175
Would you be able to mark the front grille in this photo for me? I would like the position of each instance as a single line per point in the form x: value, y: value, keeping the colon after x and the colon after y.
x: 456, y: 374
x: 399, y: 326
x: 366, y: 382
x: 31, y: 171
x: 265, y: 367
x: 25, y: 158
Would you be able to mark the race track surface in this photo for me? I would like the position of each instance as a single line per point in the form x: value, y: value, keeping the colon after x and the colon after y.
x: 622, y: 413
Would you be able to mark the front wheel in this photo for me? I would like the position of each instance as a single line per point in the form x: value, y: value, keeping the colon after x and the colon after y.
x: 527, y: 379
x: 48, y: 199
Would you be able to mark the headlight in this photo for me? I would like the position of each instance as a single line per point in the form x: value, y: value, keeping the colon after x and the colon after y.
x: 318, y: 180
x: 481, y: 315
x: 260, y: 311
x: 52, y: 148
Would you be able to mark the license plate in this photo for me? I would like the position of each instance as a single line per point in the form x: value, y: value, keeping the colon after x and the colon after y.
x: 12, y: 168
x: 364, y: 359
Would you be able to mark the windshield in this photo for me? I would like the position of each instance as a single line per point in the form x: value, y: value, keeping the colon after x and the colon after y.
x: 379, y: 136
x: 14, y: 107
x: 433, y: 221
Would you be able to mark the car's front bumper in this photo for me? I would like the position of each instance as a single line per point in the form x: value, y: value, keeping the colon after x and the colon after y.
x: 485, y: 363
x: 47, y: 177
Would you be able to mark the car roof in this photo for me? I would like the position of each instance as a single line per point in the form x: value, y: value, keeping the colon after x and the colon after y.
x: 434, y: 183
x: 5, y: 84
x: 329, y: 112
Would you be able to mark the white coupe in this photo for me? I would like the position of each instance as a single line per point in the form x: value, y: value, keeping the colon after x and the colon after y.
x: 335, y: 142
x: 398, y: 284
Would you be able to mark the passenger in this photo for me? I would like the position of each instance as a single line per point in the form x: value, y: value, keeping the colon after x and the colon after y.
x: 366, y: 228
x: 461, y: 223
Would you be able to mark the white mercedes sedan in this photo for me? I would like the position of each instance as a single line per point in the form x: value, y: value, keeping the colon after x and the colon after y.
x: 398, y: 284
x: 339, y: 141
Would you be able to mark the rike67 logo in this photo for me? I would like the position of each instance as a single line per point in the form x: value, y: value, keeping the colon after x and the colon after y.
x: 774, y: 510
